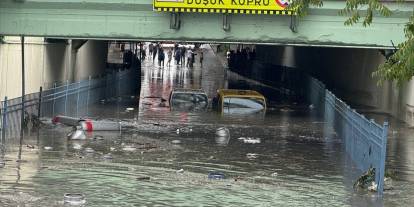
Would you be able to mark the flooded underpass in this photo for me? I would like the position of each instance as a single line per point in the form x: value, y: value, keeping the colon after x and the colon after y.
x: 285, y: 158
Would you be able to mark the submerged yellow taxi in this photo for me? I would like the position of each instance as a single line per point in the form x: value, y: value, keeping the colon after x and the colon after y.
x: 233, y: 101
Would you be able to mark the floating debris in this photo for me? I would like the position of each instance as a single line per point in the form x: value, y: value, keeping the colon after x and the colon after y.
x: 77, y: 135
x: 252, y: 155
x: 89, y: 150
x: 112, y: 149
x: 98, y: 137
x: 222, y: 141
x: 47, y: 148
x: 179, y: 171
x: 129, y: 109
x: 286, y: 109
x: 274, y: 174
x: 74, y: 198
x: 107, y: 156
x: 311, y: 106
x: 216, y: 175
x: 176, y: 141
x: 144, y: 178
x: 365, y: 180
x: 250, y: 140
x: 373, y: 187
x: 184, y: 130
x: 21, y: 161
x: 30, y: 146
x: 223, y: 132
x: 129, y: 148
x: 238, y: 178
x: 77, y: 146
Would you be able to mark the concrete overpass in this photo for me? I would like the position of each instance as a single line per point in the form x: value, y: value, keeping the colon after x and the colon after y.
x: 136, y: 20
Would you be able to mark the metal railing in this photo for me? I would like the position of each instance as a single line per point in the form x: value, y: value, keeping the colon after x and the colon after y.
x: 365, y: 141
x: 71, y: 99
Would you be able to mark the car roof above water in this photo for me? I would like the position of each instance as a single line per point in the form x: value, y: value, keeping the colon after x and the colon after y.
x: 239, y: 93
x: 188, y: 90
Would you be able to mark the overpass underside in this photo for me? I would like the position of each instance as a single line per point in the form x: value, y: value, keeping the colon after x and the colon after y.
x: 135, y: 19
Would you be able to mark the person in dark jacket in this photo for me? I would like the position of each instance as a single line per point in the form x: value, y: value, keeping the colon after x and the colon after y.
x: 161, y: 57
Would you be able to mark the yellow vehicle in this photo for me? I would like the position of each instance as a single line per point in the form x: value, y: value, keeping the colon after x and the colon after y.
x: 232, y: 101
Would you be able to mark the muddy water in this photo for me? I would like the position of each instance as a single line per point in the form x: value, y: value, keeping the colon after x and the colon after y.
x: 167, y: 160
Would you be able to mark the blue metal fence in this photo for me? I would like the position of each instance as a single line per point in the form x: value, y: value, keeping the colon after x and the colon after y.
x: 365, y: 141
x: 71, y: 99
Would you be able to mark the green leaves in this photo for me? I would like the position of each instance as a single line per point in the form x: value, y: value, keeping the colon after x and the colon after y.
x: 301, y: 6
x: 400, y: 66
x: 353, y: 8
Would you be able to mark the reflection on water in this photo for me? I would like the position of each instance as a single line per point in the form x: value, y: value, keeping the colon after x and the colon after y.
x: 168, y: 159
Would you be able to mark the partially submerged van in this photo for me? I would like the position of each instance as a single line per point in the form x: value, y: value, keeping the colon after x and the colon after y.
x: 233, y: 101
x: 183, y: 99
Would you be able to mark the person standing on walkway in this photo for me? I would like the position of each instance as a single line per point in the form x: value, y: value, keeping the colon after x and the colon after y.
x: 228, y: 57
x: 178, y: 55
x: 193, y: 54
x: 154, y: 52
x: 161, y: 57
x: 183, y: 55
x: 201, y: 57
x: 150, y: 48
x: 169, y: 54
x: 189, y: 58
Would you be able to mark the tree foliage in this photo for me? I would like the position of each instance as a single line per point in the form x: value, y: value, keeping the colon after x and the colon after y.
x: 399, y: 66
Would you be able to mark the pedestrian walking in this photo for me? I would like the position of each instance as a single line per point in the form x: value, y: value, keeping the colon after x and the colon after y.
x: 161, y: 57
x: 178, y: 55
x: 150, y: 49
x: 189, y: 58
x: 228, y: 57
x: 201, y: 57
x: 154, y: 52
x: 169, y: 54
x: 183, y: 55
x: 193, y: 54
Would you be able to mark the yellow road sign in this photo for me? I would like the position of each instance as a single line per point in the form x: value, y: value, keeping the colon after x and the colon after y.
x: 225, y: 6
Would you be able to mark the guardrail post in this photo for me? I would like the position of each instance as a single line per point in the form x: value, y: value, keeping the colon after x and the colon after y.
x: 66, y: 94
x: 119, y: 84
x: 382, y: 159
x: 54, y: 94
x: 87, y: 98
x: 3, y: 130
x: 39, y: 106
x: 77, y: 99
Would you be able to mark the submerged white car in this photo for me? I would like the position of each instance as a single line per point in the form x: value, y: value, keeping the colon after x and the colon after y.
x: 183, y: 99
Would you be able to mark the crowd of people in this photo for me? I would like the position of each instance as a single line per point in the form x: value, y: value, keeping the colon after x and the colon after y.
x: 241, y: 59
x: 179, y: 54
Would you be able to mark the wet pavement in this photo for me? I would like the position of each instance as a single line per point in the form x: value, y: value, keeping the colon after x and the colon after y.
x: 285, y: 158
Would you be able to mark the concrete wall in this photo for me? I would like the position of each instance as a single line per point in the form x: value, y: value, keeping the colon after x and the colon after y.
x: 90, y: 60
x: 47, y: 63
x: 347, y: 72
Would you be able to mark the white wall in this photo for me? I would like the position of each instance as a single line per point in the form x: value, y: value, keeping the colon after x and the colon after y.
x: 91, y: 60
x: 37, y: 66
x: 47, y: 63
